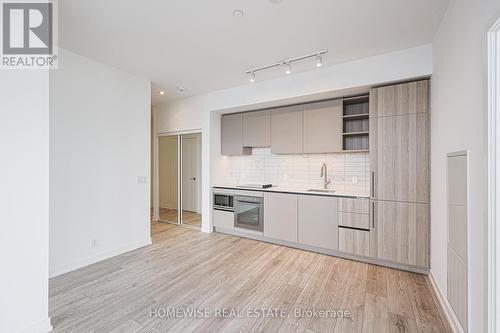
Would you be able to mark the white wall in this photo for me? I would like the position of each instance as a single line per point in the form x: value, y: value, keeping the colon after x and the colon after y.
x: 458, y: 122
x: 194, y: 112
x: 24, y: 200
x: 99, y: 146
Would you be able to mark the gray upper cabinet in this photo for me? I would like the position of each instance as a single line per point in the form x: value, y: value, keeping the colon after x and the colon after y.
x: 232, y: 135
x: 257, y: 129
x: 323, y: 127
x: 286, y: 130
x: 318, y: 221
x: 400, y: 99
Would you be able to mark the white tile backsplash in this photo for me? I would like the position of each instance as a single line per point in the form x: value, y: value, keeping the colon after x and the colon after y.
x: 301, y: 169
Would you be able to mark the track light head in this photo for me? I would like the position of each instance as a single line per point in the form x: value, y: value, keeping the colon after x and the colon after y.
x: 319, y: 60
x: 251, y: 77
x: 288, y: 68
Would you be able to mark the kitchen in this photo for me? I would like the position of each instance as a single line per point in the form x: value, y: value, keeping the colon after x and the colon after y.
x: 347, y: 177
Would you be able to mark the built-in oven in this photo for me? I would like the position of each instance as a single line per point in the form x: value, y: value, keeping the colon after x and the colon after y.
x: 223, y: 201
x: 249, y: 213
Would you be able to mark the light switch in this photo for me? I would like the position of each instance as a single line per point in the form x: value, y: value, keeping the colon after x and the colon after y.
x: 142, y: 179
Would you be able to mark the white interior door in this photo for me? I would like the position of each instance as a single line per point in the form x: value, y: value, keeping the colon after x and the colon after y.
x: 191, y: 172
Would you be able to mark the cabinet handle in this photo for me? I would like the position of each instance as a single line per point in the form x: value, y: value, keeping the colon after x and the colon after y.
x: 373, y: 215
x: 372, y: 184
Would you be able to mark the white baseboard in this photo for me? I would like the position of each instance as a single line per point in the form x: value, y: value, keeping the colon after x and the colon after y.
x: 43, y: 326
x: 96, y: 258
x: 207, y: 230
x: 448, y: 310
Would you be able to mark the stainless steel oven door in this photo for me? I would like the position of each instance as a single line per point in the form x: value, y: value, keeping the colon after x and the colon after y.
x: 249, y: 213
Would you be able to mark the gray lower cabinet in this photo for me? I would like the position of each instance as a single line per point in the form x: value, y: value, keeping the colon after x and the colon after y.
x: 323, y: 127
x: 354, y: 220
x: 286, y: 130
x: 354, y: 241
x: 280, y: 216
x: 354, y: 213
x: 402, y: 232
x: 232, y: 135
x: 318, y: 221
x: 257, y: 129
x: 223, y: 219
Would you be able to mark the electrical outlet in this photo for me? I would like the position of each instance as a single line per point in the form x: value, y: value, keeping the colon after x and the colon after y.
x: 142, y: 179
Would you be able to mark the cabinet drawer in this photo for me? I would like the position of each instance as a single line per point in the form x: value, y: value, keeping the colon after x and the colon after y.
x: 354, y: 241
x: 350, y: 205
x: 249, y: 193
x: 223, y: 219
x: 353, y: 220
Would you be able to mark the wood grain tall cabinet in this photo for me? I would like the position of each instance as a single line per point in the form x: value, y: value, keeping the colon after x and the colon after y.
x: 399, y: 163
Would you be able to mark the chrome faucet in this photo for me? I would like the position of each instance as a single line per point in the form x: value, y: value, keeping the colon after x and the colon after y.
x: 324, y: 172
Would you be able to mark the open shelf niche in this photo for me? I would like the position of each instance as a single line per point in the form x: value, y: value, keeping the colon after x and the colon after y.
x: 355, y: 124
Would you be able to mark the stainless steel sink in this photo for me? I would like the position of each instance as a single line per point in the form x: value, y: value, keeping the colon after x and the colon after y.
x: 320, y: 190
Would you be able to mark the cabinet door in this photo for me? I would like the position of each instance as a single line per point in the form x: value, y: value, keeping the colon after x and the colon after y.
x: 286, y: 130
x: 318, y: 224
x: 257, y: 129
x: 399, y: 158
x: 280, y: 216
x: 354, y: 241
x: 223, y: 219
x: 400, y: 99
x: 323, y: 127
x: 402, y: 231
x: 232, y: 135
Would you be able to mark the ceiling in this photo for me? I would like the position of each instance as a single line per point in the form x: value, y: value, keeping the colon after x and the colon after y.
x: 200, y: 44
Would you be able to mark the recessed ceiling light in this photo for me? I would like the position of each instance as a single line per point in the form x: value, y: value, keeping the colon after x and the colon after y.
x: 180, y: 87
x: 238, y: 13
x: 276, y: 1
x: 162, y: 92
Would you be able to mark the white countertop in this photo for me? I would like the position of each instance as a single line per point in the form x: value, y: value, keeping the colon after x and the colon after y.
x: 294, y: 189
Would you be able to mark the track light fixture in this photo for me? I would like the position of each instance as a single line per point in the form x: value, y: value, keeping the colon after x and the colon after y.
x: 287, y: 64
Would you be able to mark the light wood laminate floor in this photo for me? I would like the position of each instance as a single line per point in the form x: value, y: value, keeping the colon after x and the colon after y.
x: 188, y: 269
x: 188, y: 218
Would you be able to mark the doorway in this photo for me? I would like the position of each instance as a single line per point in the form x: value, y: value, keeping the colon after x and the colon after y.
x: 179, y: 180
